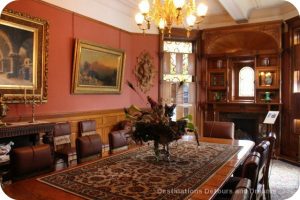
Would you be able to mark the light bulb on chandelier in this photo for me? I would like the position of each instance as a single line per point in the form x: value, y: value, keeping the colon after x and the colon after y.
x: 167, y: 13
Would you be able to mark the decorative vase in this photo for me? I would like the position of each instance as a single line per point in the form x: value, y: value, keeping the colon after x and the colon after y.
x: 161, y: 153
x: 218, y: 96
x: 268, y: 79
x: 268, y: 96
x: 219, y: 64
x: 265, y: 61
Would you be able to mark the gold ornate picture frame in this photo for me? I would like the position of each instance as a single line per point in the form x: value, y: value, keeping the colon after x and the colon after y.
x: 97, y: 69
x: 23, y: 57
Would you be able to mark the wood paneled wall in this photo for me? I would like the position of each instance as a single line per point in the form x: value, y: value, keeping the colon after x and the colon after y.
x: 105, y: 120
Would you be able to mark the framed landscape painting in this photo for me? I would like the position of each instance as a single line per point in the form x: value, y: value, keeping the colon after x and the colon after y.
x: 97, y: 69
x: 23, y: 57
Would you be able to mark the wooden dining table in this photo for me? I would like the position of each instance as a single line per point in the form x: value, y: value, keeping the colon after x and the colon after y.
x: 35, y: 190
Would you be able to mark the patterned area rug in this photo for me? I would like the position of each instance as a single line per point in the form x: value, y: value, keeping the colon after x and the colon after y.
x: 137, y: 175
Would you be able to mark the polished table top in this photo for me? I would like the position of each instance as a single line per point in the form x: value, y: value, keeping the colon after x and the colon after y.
x: 216, y: 181
x: 35, y: 190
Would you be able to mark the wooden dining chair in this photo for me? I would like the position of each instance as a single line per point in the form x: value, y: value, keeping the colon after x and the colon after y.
x: 243, y: 190
x: 88, y: 144
x: 250, y: 170
x: 218, y: 129
x: 120, y: 136
x: 271, y: 137
x: 62, y: 143
x: 262, y: 186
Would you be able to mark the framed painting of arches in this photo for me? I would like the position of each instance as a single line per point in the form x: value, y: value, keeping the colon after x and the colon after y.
x: 23, y: 57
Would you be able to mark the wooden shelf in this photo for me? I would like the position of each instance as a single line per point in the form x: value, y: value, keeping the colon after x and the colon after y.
x: 217, y: 70
x: 267, y: 60
x: 217, y: 88
x: 245, y: 103
x: 217, y: 63
x: 267, y: 67
x: 217, y: 95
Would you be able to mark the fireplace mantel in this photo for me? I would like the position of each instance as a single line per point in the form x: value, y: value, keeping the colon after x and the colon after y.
x: 232, y: 111
x: 242, y: 107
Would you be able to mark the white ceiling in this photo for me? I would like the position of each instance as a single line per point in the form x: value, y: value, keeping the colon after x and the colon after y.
x: 120, y: 13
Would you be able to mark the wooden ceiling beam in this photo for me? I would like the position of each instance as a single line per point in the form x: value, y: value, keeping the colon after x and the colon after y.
x: 236, y: 10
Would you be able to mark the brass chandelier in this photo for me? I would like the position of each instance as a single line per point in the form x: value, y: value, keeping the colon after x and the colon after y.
x: 167, y: 13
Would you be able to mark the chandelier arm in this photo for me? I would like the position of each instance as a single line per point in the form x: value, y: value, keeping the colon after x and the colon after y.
x: 142, y: 28
x: 178, y: 10
x: 165, y: 14
x: 199, y: 20
x: 147, y: 20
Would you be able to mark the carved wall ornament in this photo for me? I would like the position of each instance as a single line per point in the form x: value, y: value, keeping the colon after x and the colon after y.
x: 144, y: 71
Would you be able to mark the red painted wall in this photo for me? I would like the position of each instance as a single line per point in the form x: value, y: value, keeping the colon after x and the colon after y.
x: 65, y: 26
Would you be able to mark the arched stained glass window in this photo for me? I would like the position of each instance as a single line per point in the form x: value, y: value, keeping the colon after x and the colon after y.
x: 246, y: 82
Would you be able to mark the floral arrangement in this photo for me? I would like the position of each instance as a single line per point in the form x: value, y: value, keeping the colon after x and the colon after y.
x: 156, y: 124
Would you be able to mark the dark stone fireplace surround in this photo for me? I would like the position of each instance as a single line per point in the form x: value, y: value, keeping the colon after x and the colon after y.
x: 248, y: 118
x: 247, y: 125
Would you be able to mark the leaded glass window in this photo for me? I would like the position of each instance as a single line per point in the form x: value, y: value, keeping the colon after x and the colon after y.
x: 178, y: 67
x: 178, y: 47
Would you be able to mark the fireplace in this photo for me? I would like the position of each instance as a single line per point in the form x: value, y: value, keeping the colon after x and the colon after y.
x: 248, y: 126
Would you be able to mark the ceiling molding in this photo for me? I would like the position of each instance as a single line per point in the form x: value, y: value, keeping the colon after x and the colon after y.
x: 296, y: 3
x: 110, y: 12
x: 235, y: 10
x: 120, y: 13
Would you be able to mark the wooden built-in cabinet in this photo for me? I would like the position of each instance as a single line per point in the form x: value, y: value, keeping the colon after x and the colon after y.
x: 222, y: 78
x: 268, y: 79
x: 291, y: 92
x: 254, y: 49
x: 217, y: 79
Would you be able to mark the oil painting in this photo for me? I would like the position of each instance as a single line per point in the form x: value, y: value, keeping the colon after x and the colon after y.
x: 97, y: 69
x: 16, y: 55
x: 23, y: 61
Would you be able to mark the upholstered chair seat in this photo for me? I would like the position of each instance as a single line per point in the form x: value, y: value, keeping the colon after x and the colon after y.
x: 31, y: 160
x: 118, y: 140
x: 88, y: 145
x: 69, y: 154
x: 62, y: 143
x: 218, y: 129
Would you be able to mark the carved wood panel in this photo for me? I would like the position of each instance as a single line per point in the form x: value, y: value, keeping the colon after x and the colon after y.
x: 238, y: 39
x: 105, y: 120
